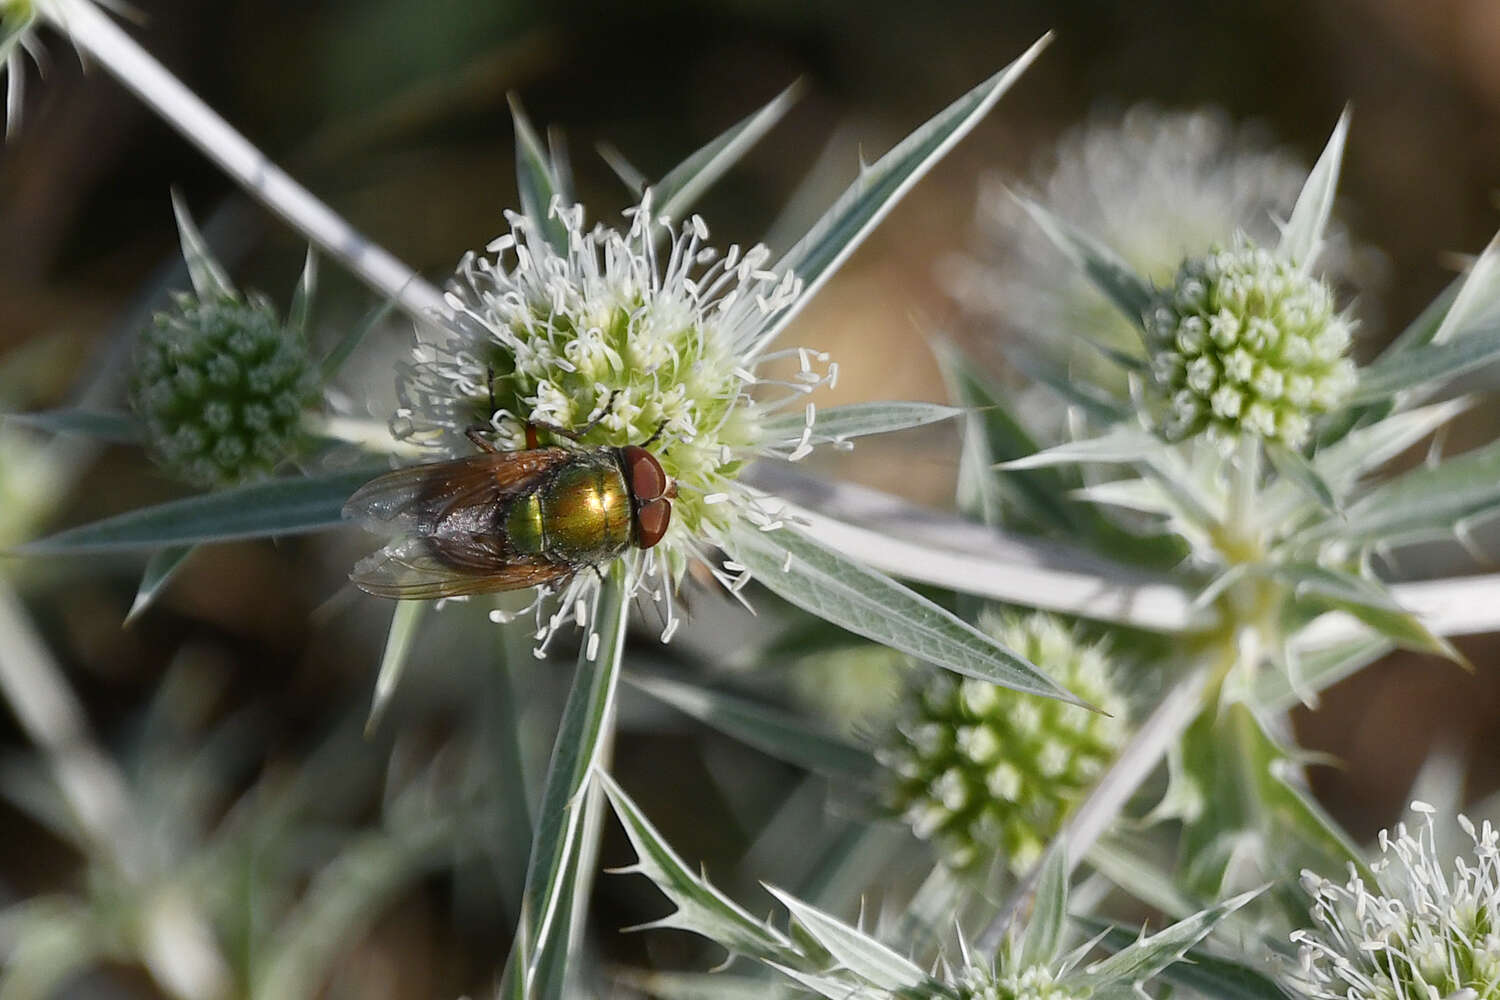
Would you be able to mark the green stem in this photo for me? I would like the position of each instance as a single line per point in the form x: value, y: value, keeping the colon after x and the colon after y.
x: 555, y: 894
x: 94, y: 33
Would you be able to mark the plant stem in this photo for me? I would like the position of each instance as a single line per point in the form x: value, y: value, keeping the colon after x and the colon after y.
x: 556, y: 886
x: 105, y: 42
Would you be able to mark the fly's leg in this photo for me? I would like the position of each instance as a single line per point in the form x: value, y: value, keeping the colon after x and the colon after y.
x: 476, y: 435
x: 655, y: 434
x: 571, y: 435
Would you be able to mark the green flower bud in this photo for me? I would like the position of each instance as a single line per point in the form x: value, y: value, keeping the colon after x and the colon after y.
x: 981, y: 770
x: 220, y: 386
x: 1245, y: 343
x: 1035, y: 982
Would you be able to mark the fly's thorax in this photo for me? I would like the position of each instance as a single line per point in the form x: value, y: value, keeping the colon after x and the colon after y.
x: 581, y: 513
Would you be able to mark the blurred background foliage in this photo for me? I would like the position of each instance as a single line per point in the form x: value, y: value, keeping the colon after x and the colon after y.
x: 395, y: 112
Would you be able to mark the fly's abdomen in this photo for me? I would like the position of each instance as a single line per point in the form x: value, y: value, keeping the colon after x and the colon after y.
x: 586, y: 510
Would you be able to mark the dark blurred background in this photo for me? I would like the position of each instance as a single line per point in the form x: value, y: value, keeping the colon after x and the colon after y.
x: 395, y: 112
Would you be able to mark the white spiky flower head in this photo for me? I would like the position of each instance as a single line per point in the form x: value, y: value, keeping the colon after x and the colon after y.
x: 1244, y: 342
x: 641, y: 334
x: 1417, y: 933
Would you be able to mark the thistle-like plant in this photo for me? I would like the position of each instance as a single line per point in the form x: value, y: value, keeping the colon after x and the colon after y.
x: 1253, y: 436
x: 827, y: 957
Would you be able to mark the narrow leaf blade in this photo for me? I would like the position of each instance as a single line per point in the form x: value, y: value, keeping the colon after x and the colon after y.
x: 686, y: 182
x: 1145, y: 957
x: 1302, y: 235
x: 1049, y: 917
x: 102, y: 425
x: 701, y: 908
x: 1301, y: 474
x: 204, y: 271
x: 344, y: 349
x: 536, y: 180
x: 406, y: 621
x: 1424, y: 503
x: 784, y: 736
x: 1129, y: 292
x: 581, y: 735
x: 299, y: 314
x: 260, y: 510
x: 1201, y: 971
x: 831, y: 586
x: 1436, y: 362
x: 816, y: 257
x: 839, y: 423
x: 160, y: 569
x: 856, y: 951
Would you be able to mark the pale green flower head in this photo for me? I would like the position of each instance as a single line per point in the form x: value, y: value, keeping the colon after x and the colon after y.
x: 220, y: 382
x: 220, y: 386
x: 1425, y: 930
x: 646, y: 334
x: 1246, y: 342
x: 982, y: 772
x: 1155, y: 185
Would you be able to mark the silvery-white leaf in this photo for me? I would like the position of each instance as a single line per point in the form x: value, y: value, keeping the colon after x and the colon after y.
x: 832, y: 586
x: 881, y: 185
x: 1302, y: 234
x: 839, y: 423
x: 701, y: 908
x: 681, y: 186
x: 853, y: 949
x: 208, y: 277
x: 537, y: 180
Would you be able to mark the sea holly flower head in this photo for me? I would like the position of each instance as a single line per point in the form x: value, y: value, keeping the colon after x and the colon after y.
x: 220, y: 383
x: 1245, y: 342
x: 646, y: 334
x: 980, y: 771
x: 1152, y: 184
x: 1426, y: 929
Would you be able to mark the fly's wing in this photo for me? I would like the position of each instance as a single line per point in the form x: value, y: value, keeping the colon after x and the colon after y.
x: 426, y: 568
x: 449, y: 497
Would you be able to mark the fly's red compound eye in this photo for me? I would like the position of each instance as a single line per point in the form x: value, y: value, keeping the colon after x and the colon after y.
x: 647, y: 480
x: 651, y: 522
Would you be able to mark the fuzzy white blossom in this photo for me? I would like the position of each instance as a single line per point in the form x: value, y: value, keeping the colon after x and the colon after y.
x: 1423, y: 931
x: 646, y: 334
